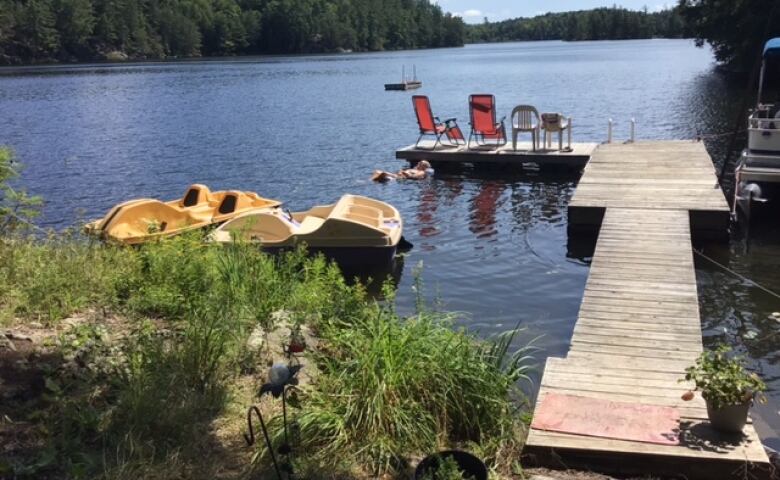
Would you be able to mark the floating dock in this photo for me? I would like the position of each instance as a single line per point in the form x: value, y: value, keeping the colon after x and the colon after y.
x: 638, y: 326
x: 505, y: 155
x: 406, y: 85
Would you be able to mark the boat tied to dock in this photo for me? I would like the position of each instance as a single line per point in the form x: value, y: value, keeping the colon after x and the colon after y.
x: 757, y: 174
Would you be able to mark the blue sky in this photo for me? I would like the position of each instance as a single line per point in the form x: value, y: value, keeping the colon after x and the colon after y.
x: 474, y: 11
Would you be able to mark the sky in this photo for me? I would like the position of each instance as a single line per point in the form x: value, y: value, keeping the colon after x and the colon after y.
x: 473, y: 11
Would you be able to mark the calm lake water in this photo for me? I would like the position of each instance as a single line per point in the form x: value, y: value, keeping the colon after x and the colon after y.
x: 307, y: 129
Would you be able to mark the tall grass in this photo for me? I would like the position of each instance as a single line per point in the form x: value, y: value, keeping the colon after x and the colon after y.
x: 49, y: 279
x: 391, y: 387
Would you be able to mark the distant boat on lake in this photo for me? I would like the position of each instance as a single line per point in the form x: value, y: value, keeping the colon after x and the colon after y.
x: 406, y: 84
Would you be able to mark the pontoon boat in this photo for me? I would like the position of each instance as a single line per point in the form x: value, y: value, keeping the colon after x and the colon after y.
x: 757, y: 174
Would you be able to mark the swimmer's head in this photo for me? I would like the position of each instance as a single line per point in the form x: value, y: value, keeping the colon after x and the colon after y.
x: 423, y: 165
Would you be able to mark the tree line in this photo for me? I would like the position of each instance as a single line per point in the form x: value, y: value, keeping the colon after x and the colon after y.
x: 597, y: 24
x: 77, y: 30
x: 736, y: 31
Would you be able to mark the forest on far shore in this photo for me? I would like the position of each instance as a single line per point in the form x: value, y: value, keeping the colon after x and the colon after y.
x: 46, y: 31
x: 598, y: 24
x: 39, y: 31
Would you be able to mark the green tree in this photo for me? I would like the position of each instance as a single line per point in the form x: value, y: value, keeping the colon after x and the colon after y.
x: 179, y: 34
x: 736, y: 30
x: 37, y: 29
x: 75, y: 24
x: 7, y: 31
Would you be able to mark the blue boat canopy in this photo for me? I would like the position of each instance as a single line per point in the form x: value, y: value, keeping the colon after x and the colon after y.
x: 772, y: 48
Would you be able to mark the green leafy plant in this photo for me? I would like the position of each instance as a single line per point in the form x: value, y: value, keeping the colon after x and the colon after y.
x: 446, y: 469
x: 723, y: 379
x: 17, y: 208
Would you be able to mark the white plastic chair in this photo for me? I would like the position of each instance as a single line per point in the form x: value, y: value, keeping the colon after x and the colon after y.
x: 551, y: 123
x: 525, y: 118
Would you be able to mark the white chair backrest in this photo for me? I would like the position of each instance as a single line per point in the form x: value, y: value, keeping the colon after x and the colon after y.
x: 525, y: 116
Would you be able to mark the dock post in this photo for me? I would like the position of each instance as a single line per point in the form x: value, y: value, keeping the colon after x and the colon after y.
x: 609, y: 132
x: 633, y: 130
x: 568, y: 121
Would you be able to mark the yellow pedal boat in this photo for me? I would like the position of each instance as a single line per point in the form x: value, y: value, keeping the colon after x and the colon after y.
x: 355, y: 231
x: 140, y: 220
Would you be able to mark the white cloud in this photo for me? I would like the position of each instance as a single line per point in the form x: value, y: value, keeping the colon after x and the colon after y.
x: 471, y: 13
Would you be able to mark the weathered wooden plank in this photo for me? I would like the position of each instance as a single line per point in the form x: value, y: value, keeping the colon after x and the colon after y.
x: 620, y: 361
x: 656, y: 332
x: 573, y: 367
x: 630, y: 300
x: 640, y: 325
x: 660, y: 348
x: 749, y: 450
x: 624, y: 384
x: 633, y: 351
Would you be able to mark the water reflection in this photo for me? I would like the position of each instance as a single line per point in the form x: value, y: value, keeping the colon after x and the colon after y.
x: 426, y: 211
x: 484, y: 207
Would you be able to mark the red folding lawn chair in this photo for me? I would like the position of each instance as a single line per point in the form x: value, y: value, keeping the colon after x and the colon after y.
x: 484, y: 128
x: 430, y: 125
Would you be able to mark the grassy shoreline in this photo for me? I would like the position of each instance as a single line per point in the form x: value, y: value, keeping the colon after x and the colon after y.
x: 144, y: 361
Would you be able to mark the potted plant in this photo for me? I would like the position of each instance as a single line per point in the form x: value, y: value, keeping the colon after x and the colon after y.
x: 451, y: 465
x: 726, y: 386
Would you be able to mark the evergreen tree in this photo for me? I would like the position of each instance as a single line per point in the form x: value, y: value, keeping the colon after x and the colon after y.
x: 75, y: 24
x: 37, y: 29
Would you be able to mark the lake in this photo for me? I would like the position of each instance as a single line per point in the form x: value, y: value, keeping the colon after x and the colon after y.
x: 307, y: 129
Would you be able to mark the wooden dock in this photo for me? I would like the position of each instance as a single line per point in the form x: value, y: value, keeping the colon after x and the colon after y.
x: 576, y: 158
x: 638, y: 326
x: 676, y: 175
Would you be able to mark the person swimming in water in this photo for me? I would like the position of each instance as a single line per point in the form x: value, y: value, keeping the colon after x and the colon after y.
x: 418, y: 172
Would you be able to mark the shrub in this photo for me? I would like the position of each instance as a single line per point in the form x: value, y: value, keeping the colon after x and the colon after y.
x: 17, y: 208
